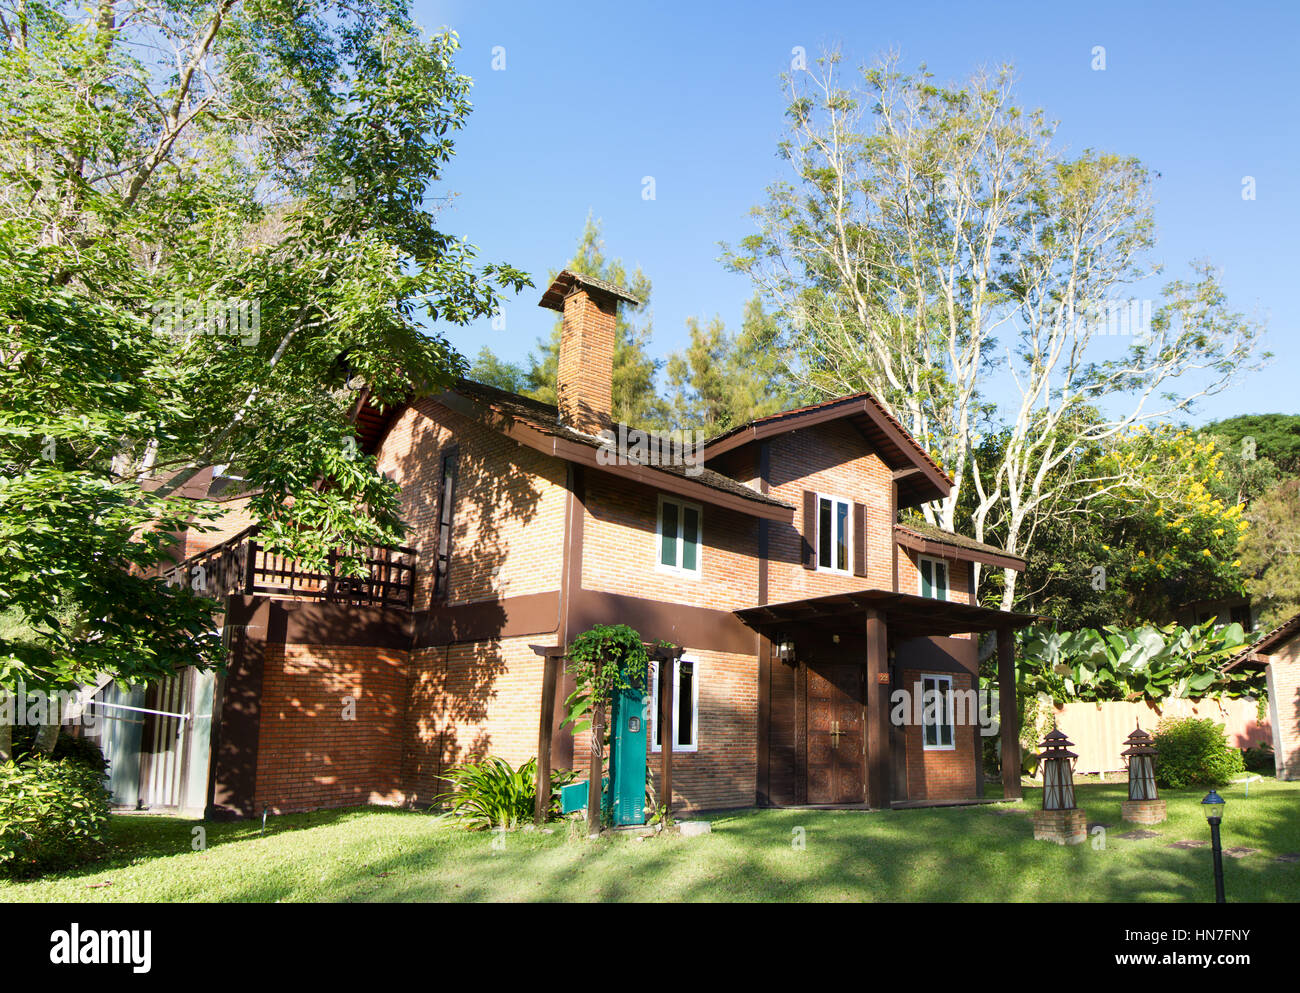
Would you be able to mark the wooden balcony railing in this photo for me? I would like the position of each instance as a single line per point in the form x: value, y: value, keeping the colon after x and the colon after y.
x: 241, y: 565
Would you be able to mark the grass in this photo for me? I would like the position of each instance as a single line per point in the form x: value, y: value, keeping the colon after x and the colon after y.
x: 946, y: 854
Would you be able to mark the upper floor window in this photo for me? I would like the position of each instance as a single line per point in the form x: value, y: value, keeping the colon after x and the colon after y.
x: 446, y: 504
x: 679, y: 536
x: 934, y: 577
x: 832, y: 534
x: 686, y: 707
x: 936, y: 713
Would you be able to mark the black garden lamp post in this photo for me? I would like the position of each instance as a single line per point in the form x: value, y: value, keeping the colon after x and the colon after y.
x: 1058, y: 771
x: 1213, y: 807
x: 1140, y: 757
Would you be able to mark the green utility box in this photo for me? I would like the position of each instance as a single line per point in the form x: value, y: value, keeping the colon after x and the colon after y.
x: 627, y: 759
x: 574, y: 796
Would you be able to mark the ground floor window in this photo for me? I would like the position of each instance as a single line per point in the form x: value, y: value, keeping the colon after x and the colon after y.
x: 686, y: 704
x: 936, y: 718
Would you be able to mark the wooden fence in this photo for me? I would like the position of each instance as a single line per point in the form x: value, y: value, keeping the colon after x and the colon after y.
x: 1098, y: 730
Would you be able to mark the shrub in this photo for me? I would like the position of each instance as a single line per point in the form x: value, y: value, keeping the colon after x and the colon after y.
x: 1259, y: 759
x: 68, y: 746
x: 491, y: 794
x: 52, y: 814
x: 1193, y: 752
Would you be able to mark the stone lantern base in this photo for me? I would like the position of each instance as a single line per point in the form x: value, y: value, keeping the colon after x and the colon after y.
x: 1143, y: 811
x: 1065, y: 827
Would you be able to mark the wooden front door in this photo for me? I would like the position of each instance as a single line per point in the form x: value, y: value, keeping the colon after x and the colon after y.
x: 836, y: 734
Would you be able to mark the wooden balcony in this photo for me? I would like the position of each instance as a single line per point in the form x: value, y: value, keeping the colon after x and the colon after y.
x: 241, y: 565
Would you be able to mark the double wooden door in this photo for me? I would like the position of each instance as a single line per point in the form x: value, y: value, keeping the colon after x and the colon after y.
x: 836, y: 734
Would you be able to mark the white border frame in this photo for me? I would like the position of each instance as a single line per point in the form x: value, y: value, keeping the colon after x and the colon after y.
x: 848, y: 538
x: 681, y: 505
x: 653, y: 704
x: 938, y: 678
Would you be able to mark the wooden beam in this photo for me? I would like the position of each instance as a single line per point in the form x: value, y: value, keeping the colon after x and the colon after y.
x: 879, y: 762
x: 545, y: 728
x: 596, y: 771
x: 1008, y: 714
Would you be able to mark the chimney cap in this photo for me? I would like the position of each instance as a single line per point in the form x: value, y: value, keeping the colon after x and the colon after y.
x: 565, y: 282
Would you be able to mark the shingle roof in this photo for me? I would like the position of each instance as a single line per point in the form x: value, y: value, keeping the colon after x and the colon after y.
x: 565, y: 280
x: 938, y: 535
x: 545, y: 417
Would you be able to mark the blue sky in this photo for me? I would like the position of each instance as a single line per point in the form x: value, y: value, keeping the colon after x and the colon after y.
x: 594, y: 97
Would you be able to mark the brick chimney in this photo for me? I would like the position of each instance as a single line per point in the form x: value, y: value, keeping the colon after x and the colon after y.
x: 584, y: 384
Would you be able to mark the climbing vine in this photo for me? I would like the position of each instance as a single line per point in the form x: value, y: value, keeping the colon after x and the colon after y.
x: 603, y: 661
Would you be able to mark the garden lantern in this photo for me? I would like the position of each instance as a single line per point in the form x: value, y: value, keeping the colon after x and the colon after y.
x: 1143, y: 805
x: 1140, y: 757
x: 1058, y: 771
x: 1213, y: 807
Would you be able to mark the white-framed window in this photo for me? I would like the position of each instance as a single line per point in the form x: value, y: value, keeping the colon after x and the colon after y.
x: 679, y: 534
x: 934, y: 577
x: 832, y: 534
x: 936, y: 714
x: 686, y: 706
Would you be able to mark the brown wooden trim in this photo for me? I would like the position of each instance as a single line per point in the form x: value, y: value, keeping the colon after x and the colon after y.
x: 545, y: 728
x: 859, y: 539
x: 893, y: 539
x: 1008, y: 714
x: 938, y: 654
x: 962, y: 554
x: 807, y: 548
x: 508, y: 617
x: 879, y: 760
x: 681, y: 624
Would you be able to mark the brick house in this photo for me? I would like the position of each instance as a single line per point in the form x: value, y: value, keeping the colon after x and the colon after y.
x: 1278, y: 654
x: 776, y: 562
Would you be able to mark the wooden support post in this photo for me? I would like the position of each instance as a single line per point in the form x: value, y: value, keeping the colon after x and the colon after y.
x: 667, y: 667
x: 596, y: 771
x: 545, y: 728
x: 1008, y: 714
x: 880, y: 763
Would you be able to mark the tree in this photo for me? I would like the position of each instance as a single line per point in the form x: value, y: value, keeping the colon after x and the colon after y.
x: 721, y: 381
x: 1270, y: 554
x: 215, y: 228
x: 492, y: 371
x: 952, y: 260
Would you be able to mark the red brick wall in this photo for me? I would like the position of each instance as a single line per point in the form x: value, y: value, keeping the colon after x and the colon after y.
x: 934, y: 774
x: 466, y: 702
x: 1284, y: 704
x: 621, y: 549
x: 309, y: 754
x: 832, y: 459
x: 508, y: 520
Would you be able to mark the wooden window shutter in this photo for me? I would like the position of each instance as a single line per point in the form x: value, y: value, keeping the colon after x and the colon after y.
x: 809, y: 529
x: 859, y: 539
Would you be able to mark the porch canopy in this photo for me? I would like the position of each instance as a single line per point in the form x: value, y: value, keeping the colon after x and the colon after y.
x: 887, y: 616
x: 906, y: 614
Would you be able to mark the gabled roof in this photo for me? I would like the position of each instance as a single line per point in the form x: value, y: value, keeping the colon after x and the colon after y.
x: 564, y: 282
x: 928, y: 538
x: 1280, y: 635
x: 537, y: 425
x: 919, y: 478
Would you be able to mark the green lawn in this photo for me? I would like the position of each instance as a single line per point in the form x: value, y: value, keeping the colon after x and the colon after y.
x: 960, y: 854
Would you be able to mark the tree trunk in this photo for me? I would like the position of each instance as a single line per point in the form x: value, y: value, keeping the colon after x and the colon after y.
x: 6, y: 732
x: 46, y: 738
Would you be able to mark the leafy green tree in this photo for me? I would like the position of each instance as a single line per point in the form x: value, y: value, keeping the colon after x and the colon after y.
x: 722, y: 380
x: 493, y: 371
x: 214, y: 228
x: 1275, y: 437
x: 1270, y: 554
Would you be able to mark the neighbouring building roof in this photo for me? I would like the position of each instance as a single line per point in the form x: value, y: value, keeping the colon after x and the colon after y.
x: 565, y: 281
x: 918, y: 476
x: 920, y: 537
x: 1279, y: 636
